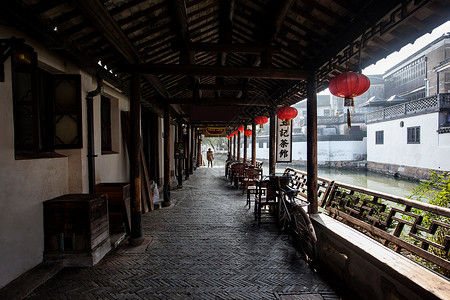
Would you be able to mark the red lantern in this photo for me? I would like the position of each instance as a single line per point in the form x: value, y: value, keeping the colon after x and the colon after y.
x: 228, y: 137
x: 235, y: 133
x: 248, y: 132
x: 287, y: 113
x: 260, y: 120
x: 349, y: 85
x: 241, y: 128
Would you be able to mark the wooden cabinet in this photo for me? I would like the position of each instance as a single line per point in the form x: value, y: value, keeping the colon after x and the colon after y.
x: 118, y: 205
x: 76, y: 224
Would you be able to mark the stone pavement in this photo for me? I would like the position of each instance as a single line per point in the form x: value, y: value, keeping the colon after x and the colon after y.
x: 205, y: 246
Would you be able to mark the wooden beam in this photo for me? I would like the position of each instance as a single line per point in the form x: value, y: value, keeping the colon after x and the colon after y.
x: 233, y: 48
x: 279, y: 18
x: 226, y: 15
x: 224, y: 87
x: 218, y: 101
x: 242, y: 72
x: 187, y: 56
x: 96, y: 13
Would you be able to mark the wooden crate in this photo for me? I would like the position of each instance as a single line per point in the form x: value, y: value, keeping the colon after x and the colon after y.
x: 76, y: 224
x: 118, y: 205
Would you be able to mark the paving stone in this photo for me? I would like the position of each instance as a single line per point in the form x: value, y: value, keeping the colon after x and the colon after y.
x: 205, y: 246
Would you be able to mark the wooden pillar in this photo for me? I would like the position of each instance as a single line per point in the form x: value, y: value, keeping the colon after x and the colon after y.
x: 229, y: 149
x: 272, y: 133
x: 136, y: 236
x: 166, y: 189
x: 311, y: 145
x: 234, y: 147
x: 253, y: 142
x: 191, y: 152
x: 180, y: 160
x: 199, y: 150
x: 194, y: 149
x: 238, y: 146
x: 245, y: 145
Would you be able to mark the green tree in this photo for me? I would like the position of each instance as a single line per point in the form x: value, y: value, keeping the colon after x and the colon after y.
x: 436, y: 191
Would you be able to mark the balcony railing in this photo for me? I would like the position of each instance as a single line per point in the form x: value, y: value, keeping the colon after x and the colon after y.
x: 421, y: 106
x: 336, y: 120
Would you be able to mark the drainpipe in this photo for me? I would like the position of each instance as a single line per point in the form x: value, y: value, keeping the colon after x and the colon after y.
x: 90, y: 128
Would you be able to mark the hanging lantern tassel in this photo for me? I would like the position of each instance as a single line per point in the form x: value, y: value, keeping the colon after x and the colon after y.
x: 349, y: 102
x: 261, y: 120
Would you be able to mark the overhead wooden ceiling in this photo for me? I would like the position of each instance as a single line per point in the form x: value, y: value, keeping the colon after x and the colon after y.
x: 205, y: 54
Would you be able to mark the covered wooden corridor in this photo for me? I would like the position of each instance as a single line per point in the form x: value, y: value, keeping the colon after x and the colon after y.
x: 110, y: 91
x: 206, y: 245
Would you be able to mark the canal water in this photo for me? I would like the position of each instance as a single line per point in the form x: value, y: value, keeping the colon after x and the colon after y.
x: 368, y: 180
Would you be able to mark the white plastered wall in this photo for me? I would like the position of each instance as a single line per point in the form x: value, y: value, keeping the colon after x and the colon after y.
x: 26, y: 184
x: 432, y: 152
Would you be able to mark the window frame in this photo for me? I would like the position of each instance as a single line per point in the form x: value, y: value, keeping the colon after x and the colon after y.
x: 41, y: 122
x: 413, y: 135
x: 379, y: 137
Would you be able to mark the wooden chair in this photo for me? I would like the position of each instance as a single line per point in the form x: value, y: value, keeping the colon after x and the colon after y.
x: 251, y: 175
x: 236, y: 170
x: 266, y: 200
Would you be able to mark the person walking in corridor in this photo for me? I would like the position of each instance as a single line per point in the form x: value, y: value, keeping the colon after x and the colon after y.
x: 210, y: 157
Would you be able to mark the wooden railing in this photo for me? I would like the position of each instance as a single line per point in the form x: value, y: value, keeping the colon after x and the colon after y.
x: 298, y: 182
x: 396, y: 222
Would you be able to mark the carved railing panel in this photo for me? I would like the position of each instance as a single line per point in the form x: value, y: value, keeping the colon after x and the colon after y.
x: 397, y: 221
x: 394, y: 111
x: 425, y: 104
x: 299, y: 182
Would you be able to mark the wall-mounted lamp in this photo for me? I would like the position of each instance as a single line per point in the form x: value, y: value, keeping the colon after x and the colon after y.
x: 20, y: 52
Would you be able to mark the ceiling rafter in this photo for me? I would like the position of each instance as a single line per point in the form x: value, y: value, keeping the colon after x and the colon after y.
x: 187, y: 57
x: 126, y: 5
x: 273, y: 28
x: 103, y: 21
x: 226, y: 15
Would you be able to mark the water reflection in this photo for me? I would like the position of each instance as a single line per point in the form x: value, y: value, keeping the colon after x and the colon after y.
x: 369, y: 180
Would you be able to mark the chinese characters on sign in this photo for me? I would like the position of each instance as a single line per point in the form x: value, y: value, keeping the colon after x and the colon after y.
x: 284, y: 141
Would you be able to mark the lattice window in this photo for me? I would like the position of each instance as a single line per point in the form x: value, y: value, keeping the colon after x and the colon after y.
x: 47, y: 110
